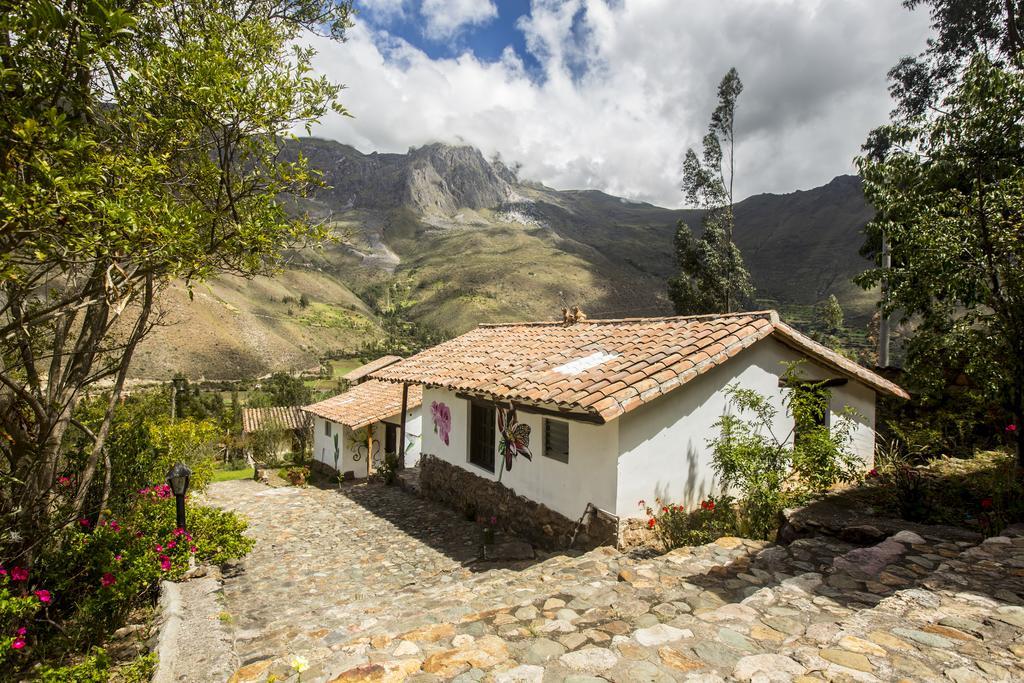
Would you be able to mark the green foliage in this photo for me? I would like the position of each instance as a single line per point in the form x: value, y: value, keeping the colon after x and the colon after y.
x: 388, y: 470
x: 141, y: 144
x: 985, y: 493
x: 830, y: 315
x: 280, y: 389
x: 675, y: 527
x: 94, y: 668
x: 947, y: 179
x: 712, y: 276
x: 402, y: 336
x: 770, y: 471
x: 189, y: 441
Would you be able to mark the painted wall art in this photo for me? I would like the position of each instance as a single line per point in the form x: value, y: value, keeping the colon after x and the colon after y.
x: 515, y: 438
x: 442, y: 417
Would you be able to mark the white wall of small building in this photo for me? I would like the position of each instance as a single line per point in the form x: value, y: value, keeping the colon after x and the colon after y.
x: 566, y: 488
x: 664, y: 444
x: 323, y: 444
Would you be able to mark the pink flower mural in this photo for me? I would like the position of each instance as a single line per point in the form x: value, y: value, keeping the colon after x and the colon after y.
x: 442, y: 417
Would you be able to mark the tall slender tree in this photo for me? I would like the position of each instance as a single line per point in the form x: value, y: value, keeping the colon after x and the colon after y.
x: 712, y: 277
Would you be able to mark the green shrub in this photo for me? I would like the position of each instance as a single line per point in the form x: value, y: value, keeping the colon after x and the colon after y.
x: 676, y: 528
x: 388, y: 470
x: 96, y: 574
x: 769, y: 471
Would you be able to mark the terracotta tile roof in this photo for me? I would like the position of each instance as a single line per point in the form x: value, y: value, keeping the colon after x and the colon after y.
x: 364, y: 370
x: 279, y: 417
x: 365, y: 403
x: 604, y: 367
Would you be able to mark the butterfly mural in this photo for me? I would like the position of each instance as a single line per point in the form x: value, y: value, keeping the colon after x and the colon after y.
x: 515, y: 438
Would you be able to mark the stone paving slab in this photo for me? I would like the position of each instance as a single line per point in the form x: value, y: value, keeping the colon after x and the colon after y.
x: 370, y: 583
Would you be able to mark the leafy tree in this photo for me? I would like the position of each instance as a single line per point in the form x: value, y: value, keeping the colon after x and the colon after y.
x: 830, y: 315
x: 712, y: 276
x: 947, y: 180
x: 282, y: 389
x: 139, y: 144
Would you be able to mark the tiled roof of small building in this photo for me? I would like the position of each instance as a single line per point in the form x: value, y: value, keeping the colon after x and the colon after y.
x: 277, y: 417
x: 366, y: 403
x: 364, y: 370
x: 605, y: 367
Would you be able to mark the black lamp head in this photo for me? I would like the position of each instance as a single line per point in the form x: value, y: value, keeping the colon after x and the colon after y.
x: 178, y: 479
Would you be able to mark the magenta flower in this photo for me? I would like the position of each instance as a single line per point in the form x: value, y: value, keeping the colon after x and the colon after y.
x: 84, y: 522
x: 21, y: 631
x: 64, y: 481
x: 159, y: 548
x: 179, y: 531
x: 3, y: 572
x: 192, y: 549
x: 18, y: 643
x: 43, y: 595
x: 118, y: 557
x: 107, y: 580
x: 19, y: 574
x: 494, y: 520
x: 165, y: 563
x: 1011, y: 428
x: 171, y: 545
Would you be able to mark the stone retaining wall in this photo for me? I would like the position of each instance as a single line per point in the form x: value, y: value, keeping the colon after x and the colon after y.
x: 535, y: 522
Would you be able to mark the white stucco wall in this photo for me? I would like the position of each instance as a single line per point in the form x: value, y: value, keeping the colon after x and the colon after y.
x: 664, y: 450
x: 323, y: 445
x: 566, y: 488
x: 414, y: 438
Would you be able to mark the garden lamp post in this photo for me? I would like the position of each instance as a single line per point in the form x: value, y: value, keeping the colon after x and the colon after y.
x: 178, y: 478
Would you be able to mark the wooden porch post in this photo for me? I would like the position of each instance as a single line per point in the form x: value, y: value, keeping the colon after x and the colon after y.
x: 369, y: 447
x: 405, y: 407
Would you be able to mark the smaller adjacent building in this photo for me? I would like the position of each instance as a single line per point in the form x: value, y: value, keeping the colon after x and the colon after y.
x: 353, y: 431
x: 542, y: 424
x: 280, y: 429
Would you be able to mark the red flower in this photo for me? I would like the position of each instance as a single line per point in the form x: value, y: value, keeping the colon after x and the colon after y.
x: 64, y: 481
x: 19, y: 574
x: 107, y: 579
x: 708, y: 505
x: 1011, y: 428
x: 43, y: 595
x: 986, y: 503
x: 84, y: 522
x: 18, y: 643
x: 873, y: 472
x: 651, y: 522
x: 664, y: 510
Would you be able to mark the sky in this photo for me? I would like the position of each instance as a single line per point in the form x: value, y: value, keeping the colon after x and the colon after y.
x: 609, y: 94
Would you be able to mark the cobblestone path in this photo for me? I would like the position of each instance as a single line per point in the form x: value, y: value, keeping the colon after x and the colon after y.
x: 372, y: 584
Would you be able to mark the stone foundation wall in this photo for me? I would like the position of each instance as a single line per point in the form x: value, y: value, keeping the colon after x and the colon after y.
x: 530, y: 520
x: 634, y: 533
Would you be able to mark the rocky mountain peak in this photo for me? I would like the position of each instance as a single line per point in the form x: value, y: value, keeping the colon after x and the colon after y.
x: 433, y: 179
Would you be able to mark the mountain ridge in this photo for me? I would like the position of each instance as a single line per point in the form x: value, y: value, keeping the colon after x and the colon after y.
x: 471, y: 242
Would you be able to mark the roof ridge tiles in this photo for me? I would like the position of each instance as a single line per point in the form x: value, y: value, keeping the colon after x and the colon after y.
x: 767, y: 314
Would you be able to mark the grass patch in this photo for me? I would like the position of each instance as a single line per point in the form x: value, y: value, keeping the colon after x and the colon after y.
x: 232, y: 475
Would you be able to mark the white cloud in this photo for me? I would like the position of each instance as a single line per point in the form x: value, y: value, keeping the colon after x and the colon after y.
x: 382, y: 10
x: 627, y: 86
x: 445, y: 18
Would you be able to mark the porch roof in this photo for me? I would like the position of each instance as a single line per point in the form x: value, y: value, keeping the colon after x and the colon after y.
x: 605, y: 367
x: 365, y: 403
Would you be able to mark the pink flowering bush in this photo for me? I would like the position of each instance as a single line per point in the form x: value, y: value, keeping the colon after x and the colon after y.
x: 676, y: 526
x: 111, y: 566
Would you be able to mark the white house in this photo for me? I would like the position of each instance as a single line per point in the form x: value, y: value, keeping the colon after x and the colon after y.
x: 525, y: 419
x: 353, y: 431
